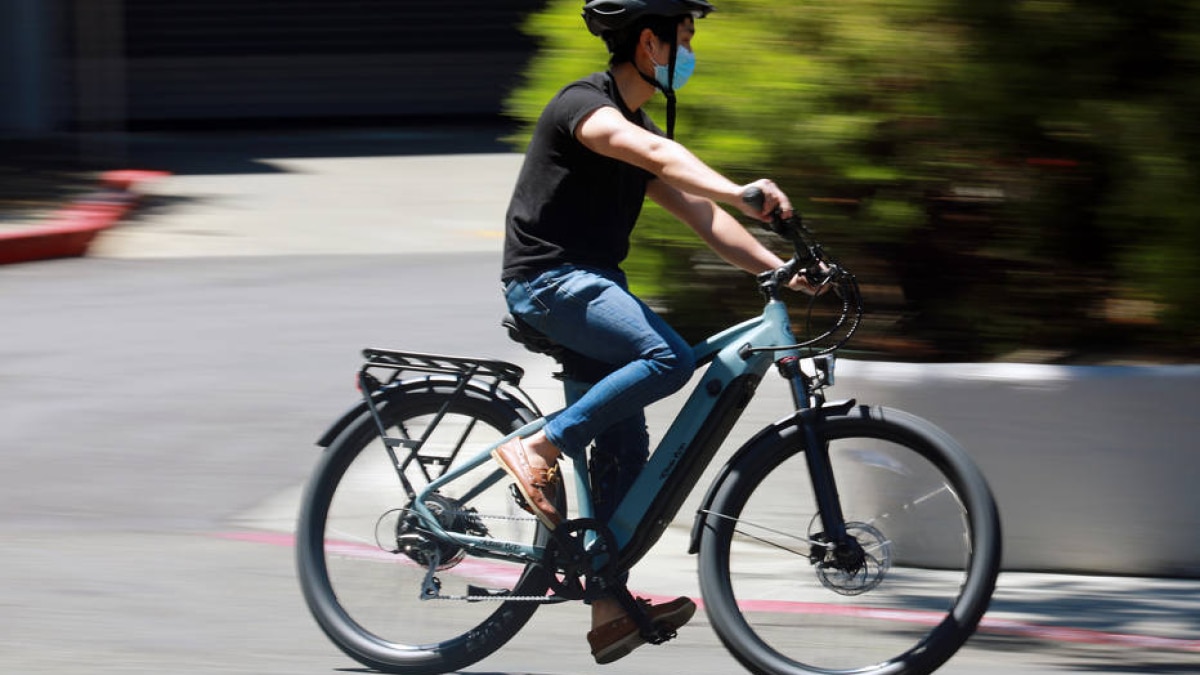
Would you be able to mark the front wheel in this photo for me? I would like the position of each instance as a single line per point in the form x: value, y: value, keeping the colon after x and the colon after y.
x: 898, y: 597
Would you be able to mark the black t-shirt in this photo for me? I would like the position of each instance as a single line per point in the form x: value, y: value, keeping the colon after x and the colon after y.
x: 572, y: 205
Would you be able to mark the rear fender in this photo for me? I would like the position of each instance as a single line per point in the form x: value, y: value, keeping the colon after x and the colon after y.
x: 387, y: 393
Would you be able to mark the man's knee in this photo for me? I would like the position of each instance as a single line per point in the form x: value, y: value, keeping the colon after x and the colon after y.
x: 674, y: 366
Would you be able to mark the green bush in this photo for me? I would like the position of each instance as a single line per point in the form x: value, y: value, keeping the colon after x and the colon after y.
x: 1003, y: 177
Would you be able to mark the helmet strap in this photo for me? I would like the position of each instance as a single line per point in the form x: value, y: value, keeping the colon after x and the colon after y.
x: 669, y: 90
x: 670, y: 94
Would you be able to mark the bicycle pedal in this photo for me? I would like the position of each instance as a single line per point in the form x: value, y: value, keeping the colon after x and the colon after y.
x: 520, y: 499
x: 660, y: 635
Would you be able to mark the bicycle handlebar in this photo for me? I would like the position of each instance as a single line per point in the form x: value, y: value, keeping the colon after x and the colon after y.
x: 821, y: 272
x: 791, y: 228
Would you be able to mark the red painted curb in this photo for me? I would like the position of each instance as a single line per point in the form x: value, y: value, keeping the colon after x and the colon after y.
x: 70, y: 231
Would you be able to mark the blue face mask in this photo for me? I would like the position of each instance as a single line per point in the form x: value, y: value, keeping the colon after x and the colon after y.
x: 685, y: 65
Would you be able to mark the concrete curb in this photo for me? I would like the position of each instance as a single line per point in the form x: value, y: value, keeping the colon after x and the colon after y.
x: 70, y: 231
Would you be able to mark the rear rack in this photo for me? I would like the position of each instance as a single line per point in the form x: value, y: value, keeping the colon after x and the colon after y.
x: 462, y: 367
x: 464, y: 371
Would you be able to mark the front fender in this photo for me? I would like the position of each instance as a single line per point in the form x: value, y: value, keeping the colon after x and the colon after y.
x: 797, y: 418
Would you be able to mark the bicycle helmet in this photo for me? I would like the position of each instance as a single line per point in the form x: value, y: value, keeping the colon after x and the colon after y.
x: 607, y: 18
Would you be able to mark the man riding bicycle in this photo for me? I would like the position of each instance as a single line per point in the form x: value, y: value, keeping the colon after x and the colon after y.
x: 593, y: 158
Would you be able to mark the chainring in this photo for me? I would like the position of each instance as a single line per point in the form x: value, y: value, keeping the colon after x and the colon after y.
x: 570, y: 560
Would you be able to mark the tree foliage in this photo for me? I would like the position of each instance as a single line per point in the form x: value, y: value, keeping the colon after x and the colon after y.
x: 1003, y: 175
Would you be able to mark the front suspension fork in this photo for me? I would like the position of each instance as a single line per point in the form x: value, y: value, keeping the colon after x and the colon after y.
x: 820, y: 472
x: 810, y: 401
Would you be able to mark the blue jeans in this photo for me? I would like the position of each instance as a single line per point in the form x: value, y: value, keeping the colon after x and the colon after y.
x: 637, y: 359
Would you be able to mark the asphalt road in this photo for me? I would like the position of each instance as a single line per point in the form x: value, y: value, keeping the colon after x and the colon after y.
x: 148, y: 406
x: 159, y: 405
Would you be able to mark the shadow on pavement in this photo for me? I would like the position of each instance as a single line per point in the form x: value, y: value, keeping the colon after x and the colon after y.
x: 1085, y: 659
x: 1162, y: 607
x: 244, y: 152
x: 39, y: 176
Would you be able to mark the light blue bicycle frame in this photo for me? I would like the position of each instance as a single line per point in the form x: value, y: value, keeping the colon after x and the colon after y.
x: 734, y: 356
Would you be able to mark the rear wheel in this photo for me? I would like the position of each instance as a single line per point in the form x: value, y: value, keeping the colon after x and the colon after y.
x: 899, y: 597
x: 363, y: 560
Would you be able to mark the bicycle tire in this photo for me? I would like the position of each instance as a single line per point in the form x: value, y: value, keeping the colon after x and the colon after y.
x: 371, y: 611
x: 927, y: 522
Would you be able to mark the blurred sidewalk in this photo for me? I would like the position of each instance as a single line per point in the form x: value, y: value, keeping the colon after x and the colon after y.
x: 339, y: 192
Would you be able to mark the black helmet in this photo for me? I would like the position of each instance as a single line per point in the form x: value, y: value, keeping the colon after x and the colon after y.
x: 609, y: 16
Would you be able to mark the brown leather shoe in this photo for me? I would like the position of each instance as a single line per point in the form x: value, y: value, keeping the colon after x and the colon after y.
x: 618, y: 637
x: 511, y: 455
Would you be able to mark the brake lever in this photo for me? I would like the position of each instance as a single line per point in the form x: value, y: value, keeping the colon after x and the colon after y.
x: 824, y: 272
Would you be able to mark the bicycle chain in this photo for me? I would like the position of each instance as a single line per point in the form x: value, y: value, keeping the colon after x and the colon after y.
x: 545, y: 599
x: 481, y: 516
x: 473, y: 514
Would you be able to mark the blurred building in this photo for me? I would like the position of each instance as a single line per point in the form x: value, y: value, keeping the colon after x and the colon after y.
x: 113, y: 65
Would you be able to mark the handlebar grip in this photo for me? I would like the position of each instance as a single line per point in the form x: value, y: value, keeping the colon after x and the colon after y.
x: 754, y: 197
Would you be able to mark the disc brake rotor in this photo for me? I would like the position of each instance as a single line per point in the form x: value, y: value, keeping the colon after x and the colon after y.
x: 856, y: 566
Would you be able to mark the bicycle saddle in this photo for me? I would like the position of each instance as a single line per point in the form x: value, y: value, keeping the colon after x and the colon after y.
x: 531, y: 338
